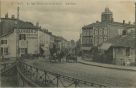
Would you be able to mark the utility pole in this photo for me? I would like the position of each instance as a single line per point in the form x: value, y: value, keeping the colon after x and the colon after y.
x: 17, y: 35
x: 0, y: 18
x: 0, y: 10
x: 135, y: 32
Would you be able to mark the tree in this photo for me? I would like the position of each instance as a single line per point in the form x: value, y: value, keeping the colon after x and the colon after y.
x: 53, y: 50
x: 41, y: 51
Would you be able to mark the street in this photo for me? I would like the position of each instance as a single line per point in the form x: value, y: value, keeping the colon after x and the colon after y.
x: 99, y: 75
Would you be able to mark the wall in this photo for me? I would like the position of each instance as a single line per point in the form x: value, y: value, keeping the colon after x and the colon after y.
x: 11, y: 44
x: 120, y: 58
x: 31, y: 42
x: 44, y: 39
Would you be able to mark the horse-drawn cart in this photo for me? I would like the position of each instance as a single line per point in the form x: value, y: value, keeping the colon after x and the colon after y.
x: 71, y: 58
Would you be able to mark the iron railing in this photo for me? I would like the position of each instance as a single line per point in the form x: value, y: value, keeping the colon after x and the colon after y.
x: 43, y: 78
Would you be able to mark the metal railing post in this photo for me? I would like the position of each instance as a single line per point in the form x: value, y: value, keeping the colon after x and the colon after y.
x: 45, y: 73
x: 76, y: 82
x: 57, y: 80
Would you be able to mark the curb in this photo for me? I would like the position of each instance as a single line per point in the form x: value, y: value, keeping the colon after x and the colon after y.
x: 125, y: 69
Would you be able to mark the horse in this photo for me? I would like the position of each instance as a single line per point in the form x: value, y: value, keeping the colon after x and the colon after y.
x: 71, y: 58
x: 52, y: 59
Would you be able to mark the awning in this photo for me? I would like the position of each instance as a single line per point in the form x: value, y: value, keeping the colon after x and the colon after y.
x: 105, y: 46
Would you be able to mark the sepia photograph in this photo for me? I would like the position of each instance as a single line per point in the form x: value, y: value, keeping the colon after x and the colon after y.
x: 68, y: 43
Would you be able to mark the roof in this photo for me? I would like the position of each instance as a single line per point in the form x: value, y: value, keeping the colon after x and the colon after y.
x: 110, y: 23
x: 5, y: 34
x: 7, y: 25
x: 123, y: 41
x: 105, y: 46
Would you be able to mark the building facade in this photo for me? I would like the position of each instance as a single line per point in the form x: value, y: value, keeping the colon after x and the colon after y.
x: 21, y: 38
x: 96, y: 33
x: 121, y: 49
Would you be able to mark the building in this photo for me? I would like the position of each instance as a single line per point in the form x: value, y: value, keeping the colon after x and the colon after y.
x: 121, y: 49
x: 19, y: 37
x: 61, y: 43
x: 96, y: 33
x: 72, y: 47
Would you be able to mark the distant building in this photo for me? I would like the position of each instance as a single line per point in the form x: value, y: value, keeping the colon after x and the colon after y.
x: 96, y: 33
x: 78, y: 47
x: 45, y: 41
x: 121, y: 49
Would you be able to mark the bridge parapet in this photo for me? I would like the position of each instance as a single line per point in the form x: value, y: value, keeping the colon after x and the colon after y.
x: 42, y: 78
x: 6, y: 66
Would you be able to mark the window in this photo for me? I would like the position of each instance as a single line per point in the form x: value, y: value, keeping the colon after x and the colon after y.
x: 23, y: 50
x: 127, y: 51
x: 6, y: 51
x: 22, y: 37
x: 3, y: 41
x: 1, y: 51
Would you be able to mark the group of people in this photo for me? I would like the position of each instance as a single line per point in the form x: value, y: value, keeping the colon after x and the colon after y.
x: 58, y: 56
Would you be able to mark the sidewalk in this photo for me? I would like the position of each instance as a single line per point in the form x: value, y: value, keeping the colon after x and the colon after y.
x: 127, y: 68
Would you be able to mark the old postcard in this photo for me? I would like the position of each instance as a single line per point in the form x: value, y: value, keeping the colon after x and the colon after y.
x: 68, y: 43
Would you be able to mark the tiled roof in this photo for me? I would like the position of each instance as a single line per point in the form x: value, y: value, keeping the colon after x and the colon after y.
x: 123, y: 41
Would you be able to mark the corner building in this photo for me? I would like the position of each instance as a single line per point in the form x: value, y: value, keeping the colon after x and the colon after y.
x: 96, y: 33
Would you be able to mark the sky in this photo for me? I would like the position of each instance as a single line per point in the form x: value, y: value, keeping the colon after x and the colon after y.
x: 67, y: 17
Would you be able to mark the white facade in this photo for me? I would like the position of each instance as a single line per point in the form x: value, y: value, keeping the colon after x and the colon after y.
x: 8, y: 49
x: 24, y: 41
x: 27, y: 41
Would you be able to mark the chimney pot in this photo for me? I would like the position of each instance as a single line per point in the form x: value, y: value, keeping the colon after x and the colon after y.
x: 123, y: 21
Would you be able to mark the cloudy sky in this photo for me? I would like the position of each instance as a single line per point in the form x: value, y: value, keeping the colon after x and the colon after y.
x: 66, y: 17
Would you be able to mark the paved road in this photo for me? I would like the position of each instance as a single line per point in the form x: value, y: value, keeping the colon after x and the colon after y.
x: 99, y: 75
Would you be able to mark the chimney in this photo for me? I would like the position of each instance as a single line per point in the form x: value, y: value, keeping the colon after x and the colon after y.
x: 12, y: 16
x: 123, y: 21
x: 129, y: 22
x: 6, y: 15
x: 97, y: 21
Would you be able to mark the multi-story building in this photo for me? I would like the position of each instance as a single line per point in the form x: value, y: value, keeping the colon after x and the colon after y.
x: 96, y: 33
x: 61, y: 43
x: 19, y: 38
